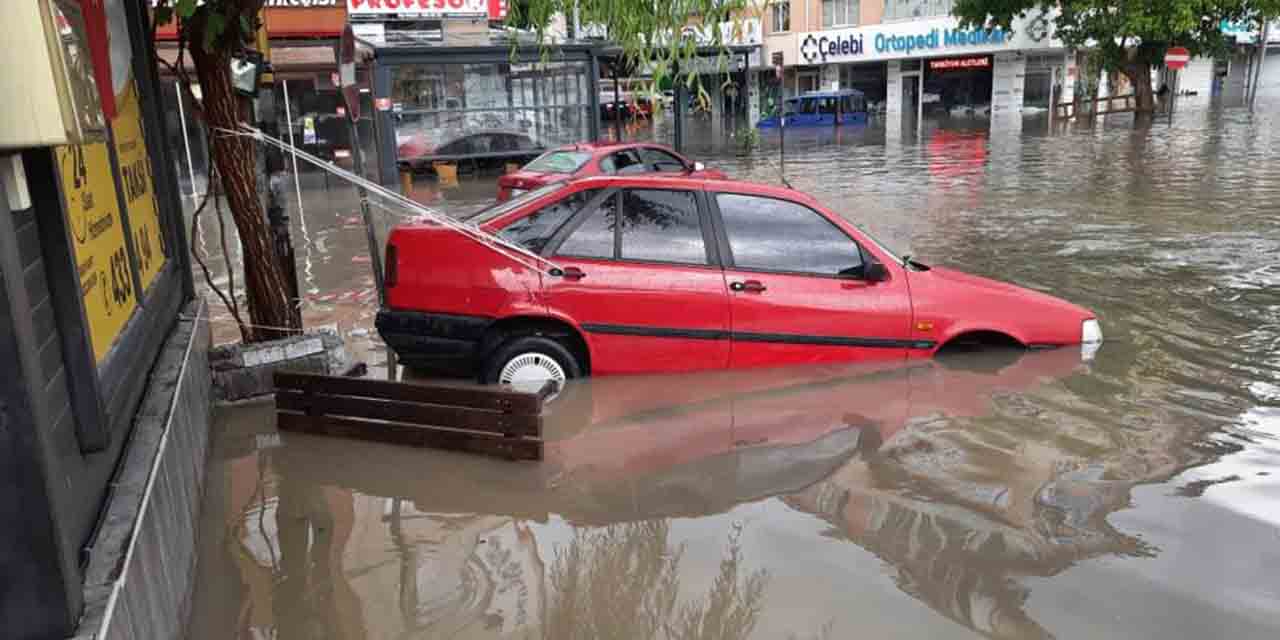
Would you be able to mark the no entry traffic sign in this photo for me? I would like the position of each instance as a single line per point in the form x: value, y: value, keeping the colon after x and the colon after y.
x: 1176, y: 57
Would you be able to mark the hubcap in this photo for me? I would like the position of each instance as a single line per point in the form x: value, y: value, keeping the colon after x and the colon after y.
x: 529, y: 371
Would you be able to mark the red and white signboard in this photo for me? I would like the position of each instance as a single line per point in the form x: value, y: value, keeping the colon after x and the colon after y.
x: 1177, y: 57
x: 950, y: 64
x: 419, y: 8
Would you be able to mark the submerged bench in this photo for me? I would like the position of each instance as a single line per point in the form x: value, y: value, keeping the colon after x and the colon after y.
x: 487, y: 420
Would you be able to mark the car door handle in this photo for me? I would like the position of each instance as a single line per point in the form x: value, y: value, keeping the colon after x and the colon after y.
x: 750, y: 286
x: 571, y: 273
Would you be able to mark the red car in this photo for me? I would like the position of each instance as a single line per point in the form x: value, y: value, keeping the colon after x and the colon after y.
x: 599, y: 159
x: 657, y: 274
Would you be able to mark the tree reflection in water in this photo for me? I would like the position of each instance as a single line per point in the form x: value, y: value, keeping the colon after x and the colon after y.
x: 622, y: 581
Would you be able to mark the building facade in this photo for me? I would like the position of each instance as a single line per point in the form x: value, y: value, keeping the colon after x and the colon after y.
x: 912, y: 59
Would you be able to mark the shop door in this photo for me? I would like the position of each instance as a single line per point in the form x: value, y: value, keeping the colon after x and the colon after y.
x: 910, y: 101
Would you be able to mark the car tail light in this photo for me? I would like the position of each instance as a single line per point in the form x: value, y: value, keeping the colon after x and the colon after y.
x: 392, y: 266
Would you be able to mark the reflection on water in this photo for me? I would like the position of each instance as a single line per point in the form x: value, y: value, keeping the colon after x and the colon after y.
x: 1133, y: 496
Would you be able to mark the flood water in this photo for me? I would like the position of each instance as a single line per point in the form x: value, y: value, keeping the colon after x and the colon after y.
x: 1038, y: 495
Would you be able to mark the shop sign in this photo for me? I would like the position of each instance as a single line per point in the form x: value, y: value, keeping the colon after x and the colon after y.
x: 923, y: 38
x: 951, y: 64
x: 282, y: 4
x: 420, y: 8
x: 92, y: 193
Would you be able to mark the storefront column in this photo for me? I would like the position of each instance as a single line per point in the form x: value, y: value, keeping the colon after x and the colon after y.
x: 893, y: 101
x: 1009, y: 77
x: 752, y: 96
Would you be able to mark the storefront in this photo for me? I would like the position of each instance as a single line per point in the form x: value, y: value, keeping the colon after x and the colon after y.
x: 935, y: 69
x: 302, y: 35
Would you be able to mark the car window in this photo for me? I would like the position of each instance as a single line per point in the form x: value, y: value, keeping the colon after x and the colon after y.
x: 499, y: 209
x: 660, y: 160
x: 622, y: 162
x: 827, y: 105
x: 534, y: 230
x: 594, y: 237
x: 660, y: 225
x: 482, y: 143
x: 777, y: 235
x: 558, y: 162
x: 458, y: 147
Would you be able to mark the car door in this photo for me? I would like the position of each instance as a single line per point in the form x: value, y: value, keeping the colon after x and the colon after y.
x: 641, y: 277
x: 797, y: 294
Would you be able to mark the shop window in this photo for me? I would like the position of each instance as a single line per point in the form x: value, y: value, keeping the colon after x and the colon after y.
x: 840, y: 13
x: 781, y: 14
x: 490, y: 112
x: 915, y: 9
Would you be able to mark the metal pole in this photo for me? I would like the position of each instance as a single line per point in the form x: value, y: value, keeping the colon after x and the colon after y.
x: 375, y: 253
x: 1262, y: 59
x: 1053, y: 82
x: 617, y: 111
x: 920, y: 101
x: 186, y: 142
x: 288, y: 119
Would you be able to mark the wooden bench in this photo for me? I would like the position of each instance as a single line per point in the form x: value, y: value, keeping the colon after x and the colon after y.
x: 487, y: 420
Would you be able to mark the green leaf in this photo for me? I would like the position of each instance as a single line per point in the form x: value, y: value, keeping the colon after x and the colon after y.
x: 163, y: 14
x: 214, y: 26
x: 186, y: 8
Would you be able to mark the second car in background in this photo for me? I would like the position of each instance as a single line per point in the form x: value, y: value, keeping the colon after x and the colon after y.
x: 597, y: 159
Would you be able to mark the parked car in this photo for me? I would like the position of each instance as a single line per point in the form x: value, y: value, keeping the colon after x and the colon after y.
x: 599, y: 158
x: 821, y: 108
x: 482, y: 148
x: 659, y: 273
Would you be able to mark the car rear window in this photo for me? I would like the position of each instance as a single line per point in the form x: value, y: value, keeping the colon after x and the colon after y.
x: 558, y: 162
x: 494, y: 211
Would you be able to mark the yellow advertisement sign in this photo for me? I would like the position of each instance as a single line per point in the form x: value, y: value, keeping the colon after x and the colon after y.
x: 97, y: 238
x: 139, y: 191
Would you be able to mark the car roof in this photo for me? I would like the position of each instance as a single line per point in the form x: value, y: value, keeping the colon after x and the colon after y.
x: 810, y: 95
x: 670, y: 181
x: 605, y: 146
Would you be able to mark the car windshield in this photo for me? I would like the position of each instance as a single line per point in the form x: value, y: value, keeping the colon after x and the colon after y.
x: 559, y: 162
x: 497, y: 210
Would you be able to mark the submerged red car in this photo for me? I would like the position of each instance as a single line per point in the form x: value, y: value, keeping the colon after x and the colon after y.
x: 599, y: 159
x: 657, y: 273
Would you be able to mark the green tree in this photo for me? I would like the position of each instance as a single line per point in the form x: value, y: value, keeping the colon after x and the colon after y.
x: 652, y: 34
x: 1128, y: 36
x: 211, y: 31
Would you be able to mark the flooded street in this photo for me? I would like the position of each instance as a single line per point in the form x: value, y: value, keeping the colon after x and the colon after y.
x: 1036, y: 495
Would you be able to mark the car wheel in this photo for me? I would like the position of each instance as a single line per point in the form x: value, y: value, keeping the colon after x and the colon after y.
x: 528, y: 362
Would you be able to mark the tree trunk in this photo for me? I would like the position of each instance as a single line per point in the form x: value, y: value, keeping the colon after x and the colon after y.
x: 1139, y: 74
x: 267, y: 291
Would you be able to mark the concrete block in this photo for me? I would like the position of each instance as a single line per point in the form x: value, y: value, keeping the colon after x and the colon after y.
x: 245, y: 371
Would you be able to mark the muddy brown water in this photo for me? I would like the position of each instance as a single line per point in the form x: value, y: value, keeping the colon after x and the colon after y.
x: 1008, y: 496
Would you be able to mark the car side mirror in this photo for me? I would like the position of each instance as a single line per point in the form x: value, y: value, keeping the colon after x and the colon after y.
x: 875, y: 272
x: 698, y: 166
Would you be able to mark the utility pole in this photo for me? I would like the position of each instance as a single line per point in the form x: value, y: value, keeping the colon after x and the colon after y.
x: 273, y: 167
x: 1262, y: 59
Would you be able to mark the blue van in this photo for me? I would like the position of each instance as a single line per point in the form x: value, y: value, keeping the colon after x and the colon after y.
x: 822, y: 108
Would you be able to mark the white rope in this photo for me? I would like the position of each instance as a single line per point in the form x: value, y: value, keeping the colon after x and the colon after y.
x: 521, y: 255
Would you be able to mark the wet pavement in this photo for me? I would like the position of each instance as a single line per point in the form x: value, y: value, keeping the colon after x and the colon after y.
x: 1008, y: 495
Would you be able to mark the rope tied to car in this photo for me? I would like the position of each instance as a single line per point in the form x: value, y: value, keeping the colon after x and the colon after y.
x: 493, y: 242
